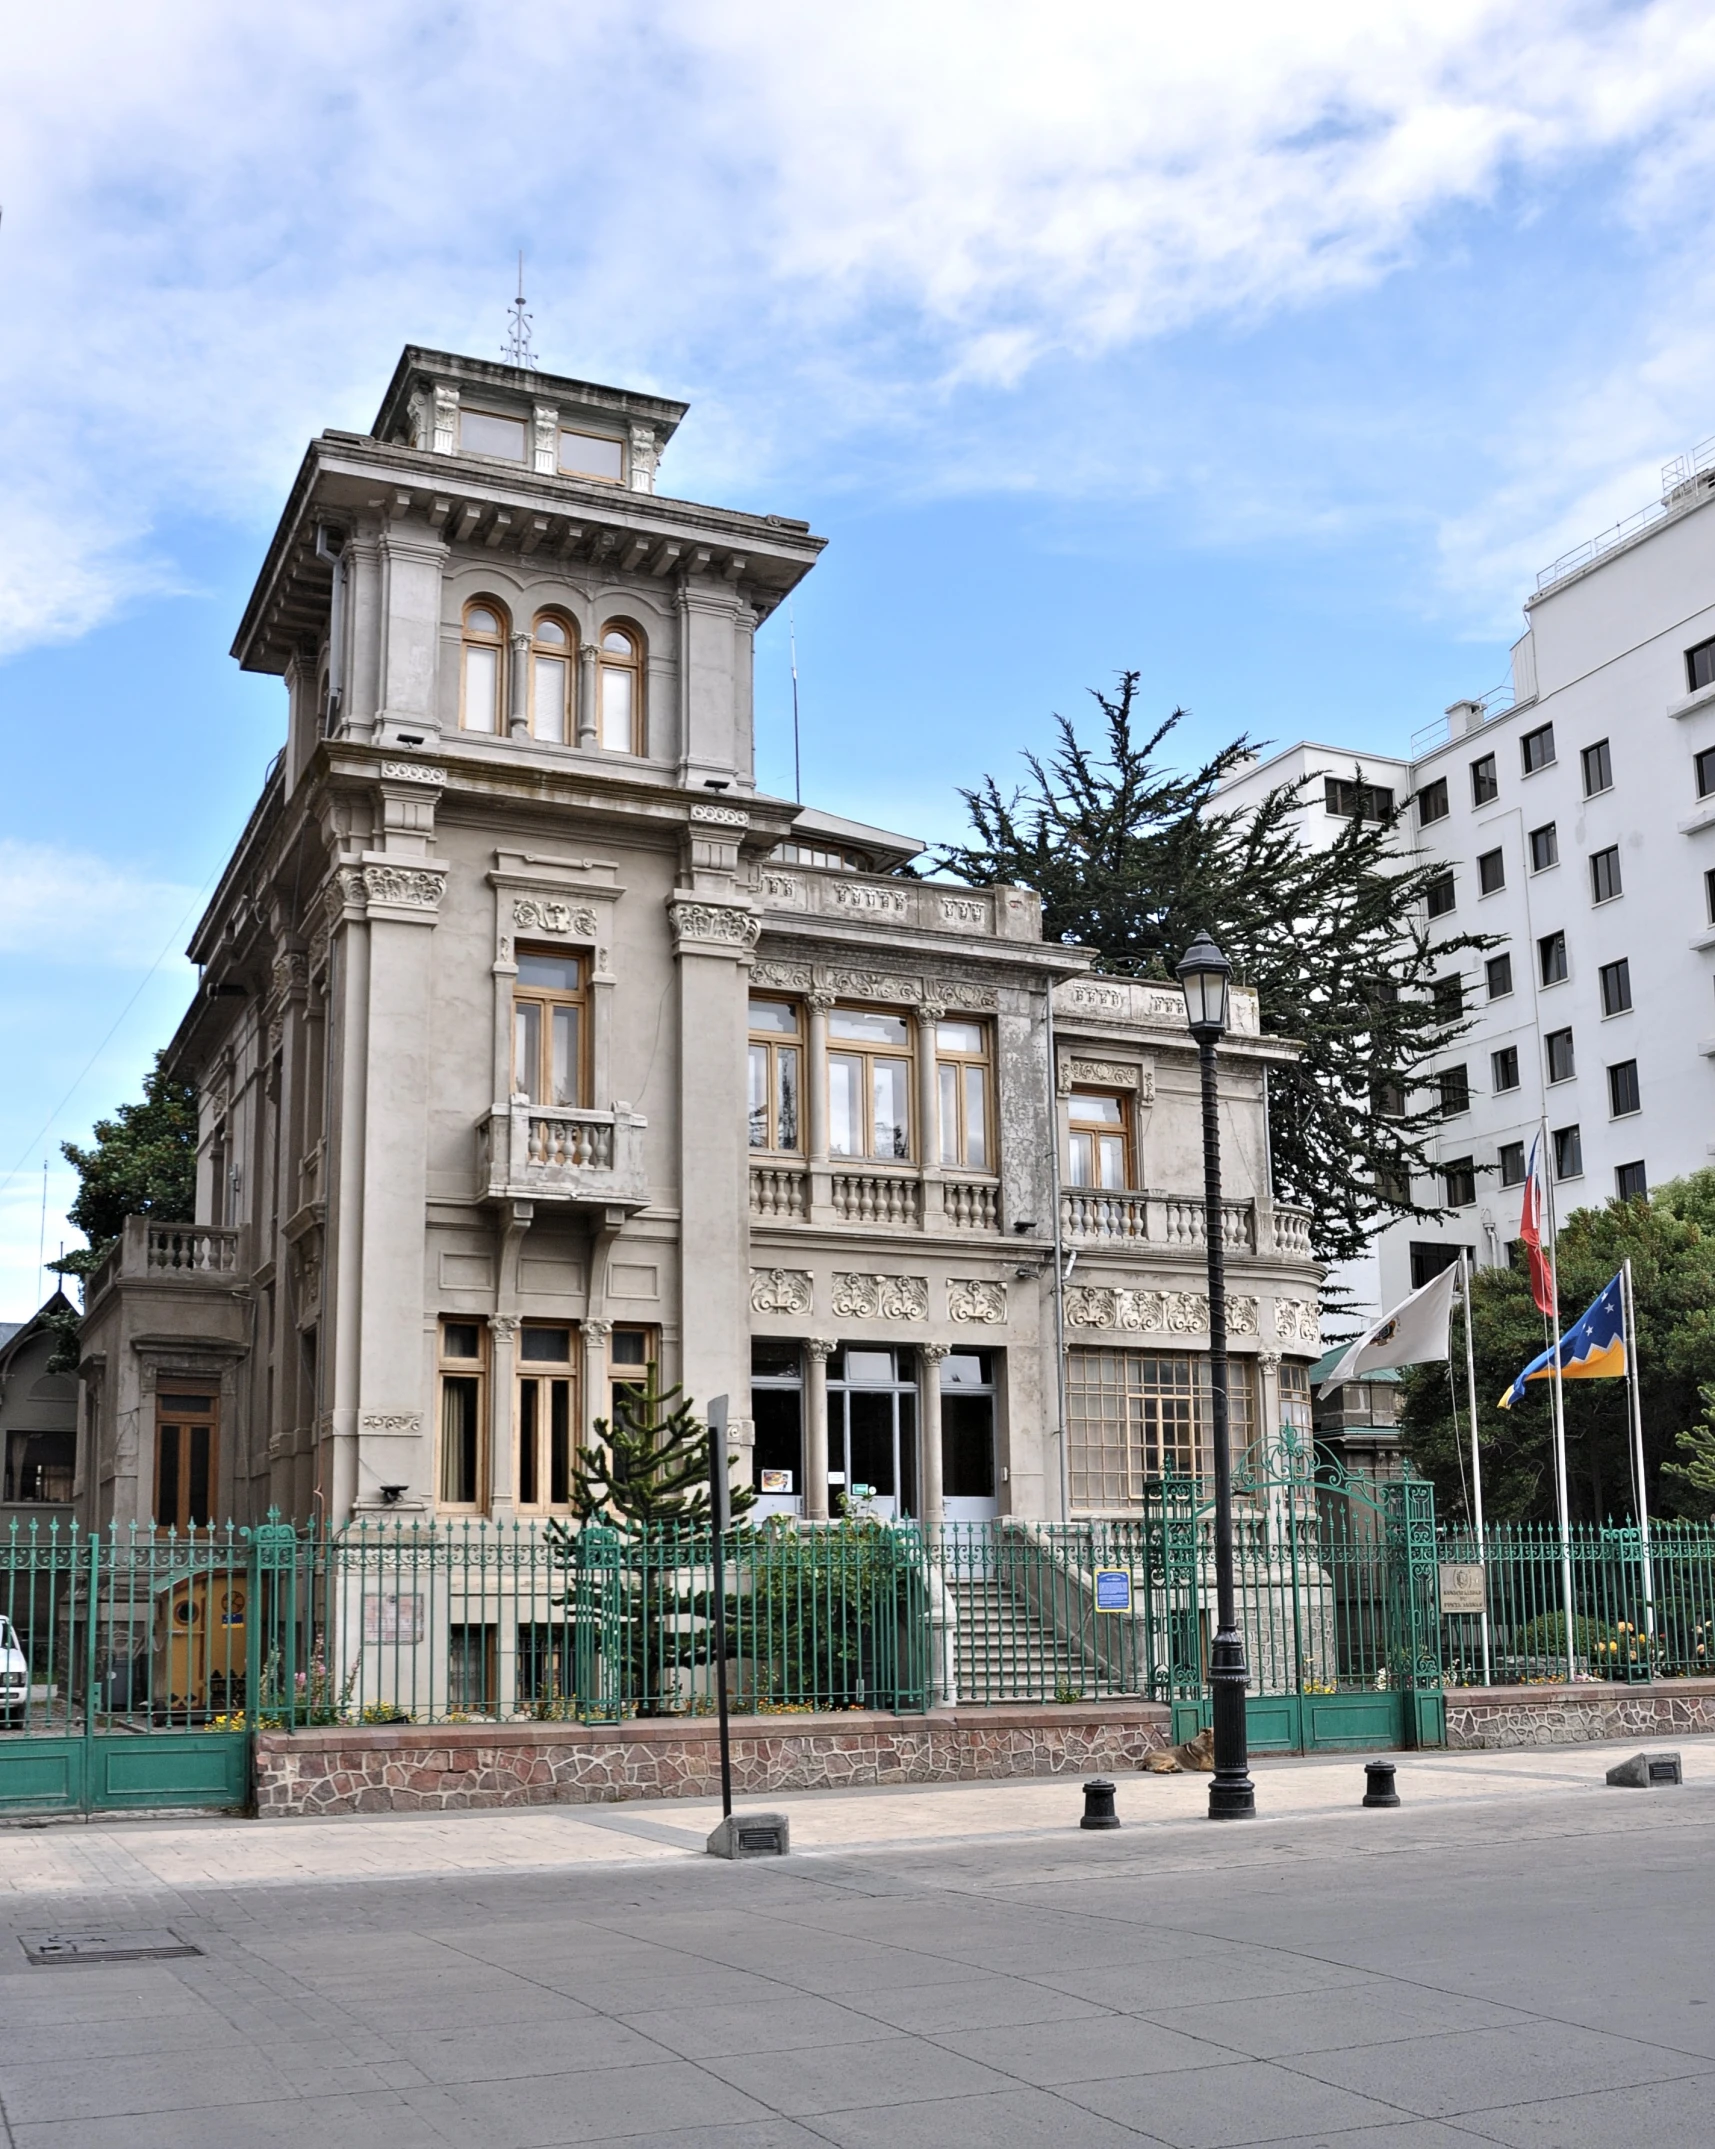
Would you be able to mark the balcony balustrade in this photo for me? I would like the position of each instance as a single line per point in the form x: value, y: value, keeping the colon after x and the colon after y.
x: 535, y: 1152
x: 1093, y: 1218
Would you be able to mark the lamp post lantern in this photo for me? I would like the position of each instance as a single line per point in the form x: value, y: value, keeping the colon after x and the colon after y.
x: 1205, y: 974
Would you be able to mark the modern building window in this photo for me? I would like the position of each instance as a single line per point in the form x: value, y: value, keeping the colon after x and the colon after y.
x: 482, y: 676
x: 1605, y: 874
x: 1598, y: 766
x: 1429, y: 1257
x: 1499, y: 971
x: 1700, y: 667
x: 1491, y: 872
x: 776, y: 1075
x: 1455, y: 1087
x: 186, y: 1426
x: 1448, y: 997
x: 1616, y: 981
x: 553, y: 656
x: 1357, y: 801
x: 869, y: 1084
x: 1135, y: 1416
x: 1485, y: 784
x: 1099, y: 1140
x: 489, y: 432
x: 1432, y: 802
x: 1503, y: 1065
x: 1568, y: 1153
x: 1631, y: 1181
x: 463, y: 1372
x: 549, y: 1028
x: 1393, y: 1186
x: 1557, y: 1046
x: 619, y: 690
x: 962, y: 1088
x: 1709, y: 894
x: 1544, y: 848
x: 592, y: 455
x: 1551, y: 958
x: 1387, y: 1096
x: 1623, y: 1089
x: 1705, y: 767
x: 777, y: 1411
x: 1438, y: 896
x: 546, y: 1414
x: 1459, y: 1177
x: 1536, y: 748
x: 1510, y: 1157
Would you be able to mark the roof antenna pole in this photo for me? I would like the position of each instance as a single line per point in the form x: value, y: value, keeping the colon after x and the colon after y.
x: 517, y: 351
x: 797, y: 765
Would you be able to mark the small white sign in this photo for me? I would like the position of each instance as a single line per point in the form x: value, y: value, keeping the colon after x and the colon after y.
x: 1462, y: 1588
x: 393, y: 1617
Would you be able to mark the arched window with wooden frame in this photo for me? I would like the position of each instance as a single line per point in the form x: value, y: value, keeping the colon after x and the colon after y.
x: 482, y: 666
x: 553, y: 662
x: 619, y: 689
x: 550, y: 1027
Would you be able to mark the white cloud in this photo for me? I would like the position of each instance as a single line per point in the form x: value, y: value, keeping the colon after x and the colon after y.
x: 76, y: 908
x: 820, y: 222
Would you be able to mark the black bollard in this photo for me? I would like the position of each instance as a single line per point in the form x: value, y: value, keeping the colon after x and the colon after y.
x: 1099, y: 1804
x: 1378, y: 1784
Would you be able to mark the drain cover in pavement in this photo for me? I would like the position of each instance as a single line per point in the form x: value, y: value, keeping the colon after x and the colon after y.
x: 153, y: 1945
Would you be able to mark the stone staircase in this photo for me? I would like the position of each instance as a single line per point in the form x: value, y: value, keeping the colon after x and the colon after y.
x: 1003, y: 1651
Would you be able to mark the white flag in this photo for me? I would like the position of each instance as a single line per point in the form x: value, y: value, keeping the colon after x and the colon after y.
x: 1412, y: 1334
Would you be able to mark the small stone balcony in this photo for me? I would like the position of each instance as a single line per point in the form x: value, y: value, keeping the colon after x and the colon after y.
x: 1092, y: 1218
x: 194, y: 1254
x: 554, y: 1153
x: 897, y: 1197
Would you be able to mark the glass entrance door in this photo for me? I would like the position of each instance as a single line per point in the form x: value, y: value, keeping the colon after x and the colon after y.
x: 872, y: 1433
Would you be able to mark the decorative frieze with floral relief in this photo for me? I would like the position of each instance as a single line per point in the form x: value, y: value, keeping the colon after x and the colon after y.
x: 972, y: 1298
x: 781, y: 1291
x: 720, y: 923
x: 1154, y: 1313
x: 890, y: 986
x: 531, y: 915
x: 1298, y: 1320
x: 865, y: 1297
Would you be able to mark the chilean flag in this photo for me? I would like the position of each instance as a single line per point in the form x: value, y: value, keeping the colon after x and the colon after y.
x: 1530, y: 1230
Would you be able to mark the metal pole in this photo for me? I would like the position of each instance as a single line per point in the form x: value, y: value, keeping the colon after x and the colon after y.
x: 1476, y: 1459
x: 1059, y: 1261
x: 1232, y: 1795
x: 1562, y: 1500
x: 719, y: 1501
x: 1629, y: 1307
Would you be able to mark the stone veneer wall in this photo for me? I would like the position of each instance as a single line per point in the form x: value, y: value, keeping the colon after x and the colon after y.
x: 1513, y: 1716
x: 407, y: 1768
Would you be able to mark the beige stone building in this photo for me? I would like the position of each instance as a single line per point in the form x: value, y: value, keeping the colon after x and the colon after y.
x: 535, y: 1044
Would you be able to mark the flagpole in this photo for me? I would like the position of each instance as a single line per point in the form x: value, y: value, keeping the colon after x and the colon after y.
x: 1628, y: 1304
x: 1476, y: 1460
x: 1560, y: 1493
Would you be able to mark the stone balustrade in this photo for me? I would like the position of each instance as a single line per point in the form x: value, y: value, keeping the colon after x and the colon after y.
x: 557, y: 1153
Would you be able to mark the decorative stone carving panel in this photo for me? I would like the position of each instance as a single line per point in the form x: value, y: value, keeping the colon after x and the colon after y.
x: 718, y: 922
x: 1109, y: 1074
x: 412, y: 772
x: 1153, y: 1313
x: 781, y: 1291
x: 873, y: 902
x: 787, y: 977
x: 865, y: 1297
x: 970, y: 1298
x: 874, y: 985
x: 962, y: 911
x: 534, y: 916
x: 1297, y: 1320
x: 405, y: 887
x: 390, y: 1421
x: 960, y: 993
x: 721, y: 816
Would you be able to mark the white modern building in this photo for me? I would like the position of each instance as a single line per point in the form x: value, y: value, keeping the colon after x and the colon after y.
x: 1575, y: 819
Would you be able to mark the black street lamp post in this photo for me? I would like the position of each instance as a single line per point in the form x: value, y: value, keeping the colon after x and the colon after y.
x: 1232, y: 1796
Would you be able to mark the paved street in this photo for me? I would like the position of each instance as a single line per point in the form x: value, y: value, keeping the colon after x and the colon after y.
x: 1519, y: 1955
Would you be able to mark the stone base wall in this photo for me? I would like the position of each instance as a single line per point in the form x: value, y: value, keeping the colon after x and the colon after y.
x: 1504, y: 1717
x: 406, y: 1768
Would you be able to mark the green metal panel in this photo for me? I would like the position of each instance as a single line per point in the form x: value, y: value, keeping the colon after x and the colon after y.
x: 1352, y: 1722
x: 41, y: 1775
x: 172, y: 1768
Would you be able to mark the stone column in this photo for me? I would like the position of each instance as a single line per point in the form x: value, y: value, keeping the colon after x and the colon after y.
x: 586, y: 693
x: 818, y: 1351
x: 928, y: 1118
x: 518, y: 702
x: 502, y: 1477
x: 930, y: 1473
x: 594, y: 1398
x: 819, y: 1205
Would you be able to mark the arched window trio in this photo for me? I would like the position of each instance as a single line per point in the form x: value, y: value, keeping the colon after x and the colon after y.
x: 550, y: 697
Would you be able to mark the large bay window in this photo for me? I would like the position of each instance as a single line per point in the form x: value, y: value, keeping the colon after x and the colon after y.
x: 1099, y: 1140
x: 776, y: 1075
x: 1134, y: 1416
x: 549, y: 1028
x: 869, y: 1084
x: 962, y: 1076
x: 482, y: 667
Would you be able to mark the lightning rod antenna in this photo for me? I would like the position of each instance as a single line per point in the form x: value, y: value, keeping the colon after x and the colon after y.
x: 517, y: 351
x: 792, y: 644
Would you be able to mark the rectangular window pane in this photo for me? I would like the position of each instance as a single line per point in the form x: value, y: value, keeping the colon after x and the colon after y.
x: 1598, y: 769
x: 1700, y: 666
x: 786, y: 1097
x: 1616, y: 987
x: 1455, y: 1090
x: 481, y: 688
x: 1485, y: 784
x: 560, y: 1443
x: 1432, y: 802
x: 1631, y: 1181
x: 615, y: 710
x: 976, y: 1120
x: 529, y: 1433
x: 1559, y: 1046
x: 1536, y: 749
x: 1081, y: 1162
x: 459, y: 1399
x: 484, y: 432
x: 845, y: 1105
x: 892, y: 1080
x: 545, y: 1346
x: 1500, y: 975
x: 1623, y: 1088
x: 591, y: 455
x: 1438, y: 896
x: 949, y: 1089
x: 566, y: 1085
x: 959, y: 1036
x: 865, y: 1029
x: 1706, y: 772
x: 1110, y: 1149
x: 1605, y: 875
x: 777, y: 1017
x: 1568, y: 1153
x: 552, y: 674
x: 1505, y: 1066
x: 1097, y: 1111
x: 1492, y: 872
x: 527, y: 1050
x: 1544, y: 848
x: 167, y: 1474
x: 759, y: 1096
x: 1512, y: 1163
x: 1551, y: 957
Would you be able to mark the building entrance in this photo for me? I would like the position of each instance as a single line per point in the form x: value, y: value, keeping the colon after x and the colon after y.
x: 872, y: 1431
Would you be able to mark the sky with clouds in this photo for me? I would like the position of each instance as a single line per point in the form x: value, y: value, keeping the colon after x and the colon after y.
x: 1269, y: 352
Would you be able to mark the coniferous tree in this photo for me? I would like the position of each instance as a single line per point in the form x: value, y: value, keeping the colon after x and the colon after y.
x: 143, y: 1162
x: 1131, y: 860
x: 650, y: 1464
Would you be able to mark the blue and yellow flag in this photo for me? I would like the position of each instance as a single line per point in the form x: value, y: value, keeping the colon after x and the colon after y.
x: 1593, y: 1348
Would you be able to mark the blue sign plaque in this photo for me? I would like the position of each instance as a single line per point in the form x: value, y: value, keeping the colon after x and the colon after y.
x: 1113, y: 1589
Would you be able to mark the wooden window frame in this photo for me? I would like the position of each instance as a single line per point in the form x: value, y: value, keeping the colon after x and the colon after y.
x: 867, y: 1054
x: 184, y: 1423
x: 956, y: 1058
x: 628, y: 1372
x: 771, y: 1043
x: 448, y: 1368
x: 533, y: 1474
x: 636, y: 666
x: 1099, y: 1128
x: 546, y: 998
x: 475, y: 638
x: 567, y: 655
